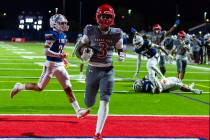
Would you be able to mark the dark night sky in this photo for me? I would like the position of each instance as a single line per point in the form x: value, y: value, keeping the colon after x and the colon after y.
x: 162, y: 11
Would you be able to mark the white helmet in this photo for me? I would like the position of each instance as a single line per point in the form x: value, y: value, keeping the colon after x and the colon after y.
x: 138, y: 86
x: 59, y: 22
x: 138, y: 41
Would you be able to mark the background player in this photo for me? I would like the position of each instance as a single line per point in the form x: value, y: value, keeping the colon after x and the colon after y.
x: 54, y: 66
x: 158, y: 35
x: 144, y: 46
x: 182, y: 46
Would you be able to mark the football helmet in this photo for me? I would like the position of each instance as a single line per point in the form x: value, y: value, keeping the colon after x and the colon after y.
x: 59, y: 22
x: 181, y: 34
x: 156, y: 28
x: 138, y: 86
x: 105, y: 16
x: 138, y: 41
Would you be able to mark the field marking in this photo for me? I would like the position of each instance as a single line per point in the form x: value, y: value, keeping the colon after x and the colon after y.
x: 114, y: 115
x: 75, y: 77
x: 202, y: 86
x: 115, y: 91
x: 201, y: 68
x: 75, y: 65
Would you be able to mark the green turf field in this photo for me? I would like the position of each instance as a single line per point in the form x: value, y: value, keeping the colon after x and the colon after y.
x: 21, y: 62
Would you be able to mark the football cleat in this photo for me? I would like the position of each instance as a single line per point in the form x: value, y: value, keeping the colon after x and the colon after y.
x: 197, y: 91
x: 15, y: 90
x: 82, y: 113
x: 97, y: 137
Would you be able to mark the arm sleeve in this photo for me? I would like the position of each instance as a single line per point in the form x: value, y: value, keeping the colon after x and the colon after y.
x: 48, y: 52
x: 49, y: 39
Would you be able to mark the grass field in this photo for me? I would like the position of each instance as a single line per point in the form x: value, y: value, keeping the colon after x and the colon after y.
x: 21, y: 62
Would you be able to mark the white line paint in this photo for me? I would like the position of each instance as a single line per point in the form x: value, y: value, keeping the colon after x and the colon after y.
x: 117, y: 115
x: 116, y: 91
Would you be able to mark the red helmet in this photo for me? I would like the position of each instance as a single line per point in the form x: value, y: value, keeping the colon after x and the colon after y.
x: 156, y: 27
x: 105, y: 16
x: 181, y: 34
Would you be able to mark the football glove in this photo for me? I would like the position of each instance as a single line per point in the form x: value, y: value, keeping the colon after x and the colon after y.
x: 87, y: 54
x: 121, y: 56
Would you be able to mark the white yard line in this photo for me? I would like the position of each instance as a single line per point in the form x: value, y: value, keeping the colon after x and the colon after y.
x: 117, y: 115
x: 73, y: 65
x: 117, y: 91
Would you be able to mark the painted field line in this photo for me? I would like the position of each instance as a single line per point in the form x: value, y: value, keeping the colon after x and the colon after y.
x: 201, y: 68
x: 202, y: 86
x: 75, y: 90
x: 73, y: 65
x: 76, y: 77
x: 115, y: 115
x: 115, y: 91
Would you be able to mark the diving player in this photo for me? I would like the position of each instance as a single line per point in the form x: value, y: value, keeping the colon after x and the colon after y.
x: 54, y: 65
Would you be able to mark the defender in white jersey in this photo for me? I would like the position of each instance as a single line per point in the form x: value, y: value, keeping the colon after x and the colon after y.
x: 54, y: 65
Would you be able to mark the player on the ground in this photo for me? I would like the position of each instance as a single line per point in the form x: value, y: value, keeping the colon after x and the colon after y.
x: 99, y: 43
x: 145, y: 47
x: 168, y: 84
x: 54, y: 65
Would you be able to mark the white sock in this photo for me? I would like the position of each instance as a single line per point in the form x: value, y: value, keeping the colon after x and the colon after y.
x: 102, y: 115
x: 75, y: 105
x: 22, y: 87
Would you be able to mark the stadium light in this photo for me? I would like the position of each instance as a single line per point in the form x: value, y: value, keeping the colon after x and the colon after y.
x: 49, y: 11
x: 40, y: 21
x: 204, y: 16
x: 21, y: 21
x: 21, y: 26
x: 29, y: 20
x: 129, y: 11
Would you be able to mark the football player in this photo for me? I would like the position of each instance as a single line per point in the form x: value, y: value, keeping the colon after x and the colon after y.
x: 54, y: 65
x: 97, y: 46
x: 157, y: 36
x: 182, y: 46
x: 146, y: 48
x: 207, y: 47
x: 168, y: 45
x: 168, y: 84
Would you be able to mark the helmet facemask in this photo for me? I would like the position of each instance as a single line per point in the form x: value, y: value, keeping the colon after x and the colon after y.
x: 105, y: 16
x: 59, y: 23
